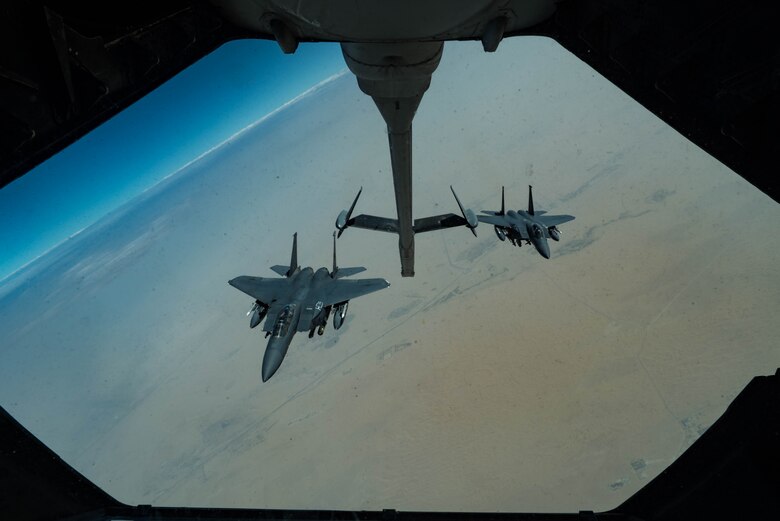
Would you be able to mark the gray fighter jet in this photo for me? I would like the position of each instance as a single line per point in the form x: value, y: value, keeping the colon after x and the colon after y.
x: 301, y: 301
x: 533, y: 227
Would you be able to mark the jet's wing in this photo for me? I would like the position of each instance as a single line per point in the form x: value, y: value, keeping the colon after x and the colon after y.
x: 339, y: 290
x: 261, y: 288
x: 554, y: 220
x: 281, y: 270
x: 503, y: 222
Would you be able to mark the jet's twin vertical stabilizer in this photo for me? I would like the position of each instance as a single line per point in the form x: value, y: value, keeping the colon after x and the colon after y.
x: 339, y: 273
x: 294, y: 256
x: 289, y: 271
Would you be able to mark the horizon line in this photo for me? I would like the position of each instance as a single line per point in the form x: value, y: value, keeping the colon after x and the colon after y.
x: 189, y: 163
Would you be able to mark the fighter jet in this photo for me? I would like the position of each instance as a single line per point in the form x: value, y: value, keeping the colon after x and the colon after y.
x: 533, y: 227
x: 301, y: 301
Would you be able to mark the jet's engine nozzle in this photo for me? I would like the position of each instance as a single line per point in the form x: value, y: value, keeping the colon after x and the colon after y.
x: 258, y: 312
x: 339, y: 313
x: 467, y: 213
x: 342, y: 221
x: 555, y: 233
x: 500, y: 233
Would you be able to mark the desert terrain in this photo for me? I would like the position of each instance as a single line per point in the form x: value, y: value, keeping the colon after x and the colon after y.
x: 494, y: 380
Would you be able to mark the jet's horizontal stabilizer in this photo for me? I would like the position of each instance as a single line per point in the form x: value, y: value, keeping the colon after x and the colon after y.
x: 348, y: 272
x: 281, y: 270
x: 555, y: 220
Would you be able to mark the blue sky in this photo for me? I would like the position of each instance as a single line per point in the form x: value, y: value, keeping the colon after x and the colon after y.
x: 202, y: 106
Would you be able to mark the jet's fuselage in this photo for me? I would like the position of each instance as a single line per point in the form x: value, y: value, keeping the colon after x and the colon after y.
x: 522, y: 220
x: 287, y: 321
x: 303, y: 300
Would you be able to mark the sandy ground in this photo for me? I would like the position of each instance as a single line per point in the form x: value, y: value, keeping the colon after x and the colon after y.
x: 493, y: 380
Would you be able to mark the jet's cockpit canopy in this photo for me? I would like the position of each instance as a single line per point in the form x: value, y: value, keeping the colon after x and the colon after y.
x: 283, y: 321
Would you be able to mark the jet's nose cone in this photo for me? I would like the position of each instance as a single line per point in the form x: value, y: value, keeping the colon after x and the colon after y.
x: 544, y: 248
x: 271, y: 362
x: 541, y: 246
